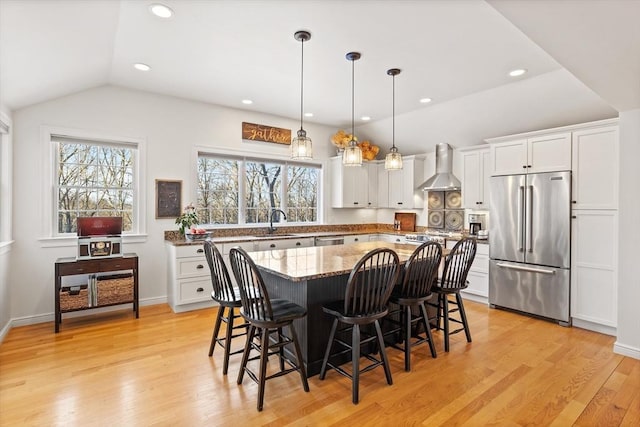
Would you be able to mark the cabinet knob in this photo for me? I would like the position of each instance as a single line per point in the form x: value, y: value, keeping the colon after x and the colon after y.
x: 573, y: 217
x: 199, y: 290
x: 478, y: 203
x: 355, y: 203
x: 528, y: 166
x: 199, y: 266
x: 356, y: 239
x: 399, y: 203
x: 273, y: 245
x: 200, y: 251
x: 574, y: 202
x: 298, y: 243
x: 524, y: 166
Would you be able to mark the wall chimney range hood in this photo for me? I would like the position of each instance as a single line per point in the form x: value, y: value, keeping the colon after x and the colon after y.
x: 444, y: 179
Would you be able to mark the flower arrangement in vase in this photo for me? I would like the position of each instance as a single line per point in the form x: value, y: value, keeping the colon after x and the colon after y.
x: 187, y: 219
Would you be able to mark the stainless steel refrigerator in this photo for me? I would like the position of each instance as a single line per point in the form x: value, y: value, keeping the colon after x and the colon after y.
x: 529, y: 268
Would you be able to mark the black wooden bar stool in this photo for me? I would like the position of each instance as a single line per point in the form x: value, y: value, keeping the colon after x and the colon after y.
x: 265, y: 317
x: 452, y: 281
x: 365, y: 302
x: 420, y: 273
x: 228, y: 299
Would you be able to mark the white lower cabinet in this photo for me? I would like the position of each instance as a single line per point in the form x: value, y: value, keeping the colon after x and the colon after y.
x: 189, y: 279
x: 270, y: 245
x: 356, y: 238
x: 478, y: 276
x: 594, y: 276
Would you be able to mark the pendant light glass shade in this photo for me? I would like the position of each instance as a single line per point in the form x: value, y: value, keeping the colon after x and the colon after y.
x: 352, y: 155
x: 393, y: 161
x: 301, y: 147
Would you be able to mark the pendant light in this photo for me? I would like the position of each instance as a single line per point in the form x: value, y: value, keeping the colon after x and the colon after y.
x: 301, y: 144
x: 393, y: 161
x: 352, y: 155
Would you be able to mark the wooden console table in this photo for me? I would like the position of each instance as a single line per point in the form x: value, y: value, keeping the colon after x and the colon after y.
x: 72, y: 267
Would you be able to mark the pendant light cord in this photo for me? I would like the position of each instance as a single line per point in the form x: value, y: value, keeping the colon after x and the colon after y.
x: 302, y: 85
x: 352, y: 100
x: 393, y: 113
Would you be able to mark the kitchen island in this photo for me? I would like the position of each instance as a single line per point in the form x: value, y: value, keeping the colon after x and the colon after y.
x: 312, y: 277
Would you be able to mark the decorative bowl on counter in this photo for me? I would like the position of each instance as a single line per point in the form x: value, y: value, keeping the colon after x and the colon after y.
x: 197, y: 236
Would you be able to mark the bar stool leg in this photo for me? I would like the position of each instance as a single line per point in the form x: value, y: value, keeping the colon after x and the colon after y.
x: 300, y: 362
x: 355, y: 360
x: 383, y: 353
x: 427, y: 329
x: 245, y: 353
x: 327, y: 353
x: 463, y: 317
x: 445, y: 312
x: 264, y: 358
x: 216, y: 329
x: 407, y: 338
x: 227, y: 340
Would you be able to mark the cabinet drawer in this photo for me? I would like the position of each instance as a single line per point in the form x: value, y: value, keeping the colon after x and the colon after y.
x: 187, y: 267
x: 480, y: 263
x: 96, y: 266
x: 189, y: 251
x: 194, y: 290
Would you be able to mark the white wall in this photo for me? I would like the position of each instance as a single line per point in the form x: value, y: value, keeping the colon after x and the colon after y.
x: 5, y: 224
x: 171, y: 127
x: 628, y: 339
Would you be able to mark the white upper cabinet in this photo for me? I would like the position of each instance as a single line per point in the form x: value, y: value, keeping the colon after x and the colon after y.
x: 545, y: 153
x: 397, y: 189
x: 349, y: 185
x: 595, y: 168
x: 476, y: 170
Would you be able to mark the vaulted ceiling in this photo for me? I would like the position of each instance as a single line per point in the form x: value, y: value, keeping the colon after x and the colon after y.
x: 456, y: 52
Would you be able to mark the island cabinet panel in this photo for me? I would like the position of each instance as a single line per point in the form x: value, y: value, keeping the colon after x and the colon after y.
x: 313, y: 329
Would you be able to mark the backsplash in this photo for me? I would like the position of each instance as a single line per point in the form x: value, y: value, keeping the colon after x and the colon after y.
x: 445, y: 210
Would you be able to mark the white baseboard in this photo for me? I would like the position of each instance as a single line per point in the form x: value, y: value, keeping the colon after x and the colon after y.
x: 5, y: 331
x: 596, y: 327
x: 474, y: 297
x: 626, y: 350
x: 49, y: 317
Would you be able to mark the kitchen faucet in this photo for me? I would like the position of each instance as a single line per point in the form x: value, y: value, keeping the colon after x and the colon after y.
x: 271, y: 228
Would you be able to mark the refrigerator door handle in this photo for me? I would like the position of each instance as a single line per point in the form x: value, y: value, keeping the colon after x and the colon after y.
x: 529, y: 269
x: 520, y: 215
x: 529, y: 226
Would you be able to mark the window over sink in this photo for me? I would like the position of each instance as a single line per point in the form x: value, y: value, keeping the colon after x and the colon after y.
x: 243, y: 190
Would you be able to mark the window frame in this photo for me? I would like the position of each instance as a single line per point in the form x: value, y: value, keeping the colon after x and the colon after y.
x: 243, y: 157
x: 50, y: 210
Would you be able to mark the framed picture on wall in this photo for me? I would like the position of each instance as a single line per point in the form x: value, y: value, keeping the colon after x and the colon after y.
x: 168, y: 198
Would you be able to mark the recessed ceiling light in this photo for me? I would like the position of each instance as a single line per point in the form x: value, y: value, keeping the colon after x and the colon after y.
x: 308, y: 114
x: 425, y: 100
x: 161, y: 10
x: 517, y: 72
x: 247, y: 101
x: 142, y: 67
x: 365, y: 118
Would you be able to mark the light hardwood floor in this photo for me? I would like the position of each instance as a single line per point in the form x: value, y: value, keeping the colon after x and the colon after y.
x: 113, y: 370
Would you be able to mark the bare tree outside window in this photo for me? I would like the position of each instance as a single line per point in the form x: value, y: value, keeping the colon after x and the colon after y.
x: 217, y: 191
x: 94, y: 180
x: 263, y: 191
x: 302, y: 194
x: 264, y: 188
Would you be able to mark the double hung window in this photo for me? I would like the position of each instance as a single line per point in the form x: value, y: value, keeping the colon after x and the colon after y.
x: 94, y: 178
x: 240, y: 190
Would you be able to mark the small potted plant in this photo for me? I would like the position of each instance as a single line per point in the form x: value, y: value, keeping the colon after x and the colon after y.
x: 187, y: 219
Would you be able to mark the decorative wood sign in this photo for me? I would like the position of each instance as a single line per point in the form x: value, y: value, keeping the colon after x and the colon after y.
x: 168, y: 198
x: 254, y: 132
